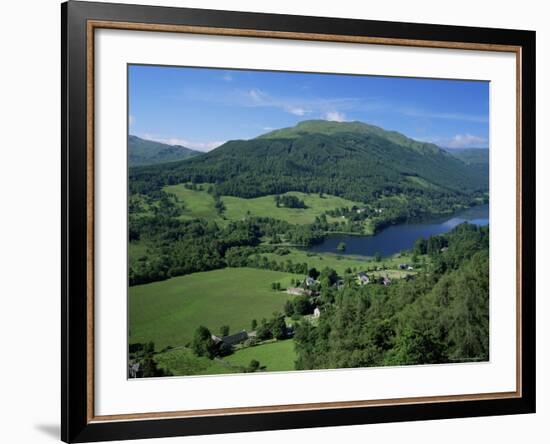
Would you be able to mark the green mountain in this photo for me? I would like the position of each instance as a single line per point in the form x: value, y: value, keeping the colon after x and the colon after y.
x: 476, y: 158
x: 471, y: 156
x: 334, y: 128
x: 350, y: 159
x: 149, y: 152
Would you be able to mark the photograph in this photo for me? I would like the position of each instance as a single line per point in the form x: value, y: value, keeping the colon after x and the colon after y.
x: 285, y: 221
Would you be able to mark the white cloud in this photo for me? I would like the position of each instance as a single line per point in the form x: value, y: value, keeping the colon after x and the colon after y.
x: 194, y: 145
x: 335, y: 116
x: 467, y: 141
x: 295, y: 105
x: 131, y: 120
x: 412, y: 112
x: 458, y: 141
x: 297, y: 111
x: 227, y: 77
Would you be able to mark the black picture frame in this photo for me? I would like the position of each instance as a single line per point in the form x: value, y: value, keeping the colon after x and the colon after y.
x: 76, y: 424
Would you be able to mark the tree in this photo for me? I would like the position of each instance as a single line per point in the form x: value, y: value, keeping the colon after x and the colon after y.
x: 254, y: 365
x: 341, y: 247
x: 278, y: 326
x: 254, y: 324
x: 150, y: 369
x: 416, y: 347
x: 377, y: 257
x: 313, y: 273
x: 328, y: 277
x: 219, y: 205
x: 224, y: 330
x: 420, y: 246
x: 263, y: 331
x: 203, y: 344
x: 289, y: 308
x: 302, y: 305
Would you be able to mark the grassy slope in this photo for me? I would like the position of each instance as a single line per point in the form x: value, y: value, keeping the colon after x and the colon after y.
x: 169, y: 312
x: 320, y: 261
x: 182, y: 362
x: 265, y: 206
x: 197, y: 204
x: 340, y: 263
x: 201, y: 204
x: 275, y: 356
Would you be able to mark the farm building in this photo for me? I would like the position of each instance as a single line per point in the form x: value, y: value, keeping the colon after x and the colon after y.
x: 234, y: 339
x: 316, y: 312
x: 310, y: 281
x: 363, y: 278
x: 134, y: 370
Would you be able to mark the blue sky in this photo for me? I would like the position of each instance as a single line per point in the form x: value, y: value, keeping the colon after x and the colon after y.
x: 201, y: 108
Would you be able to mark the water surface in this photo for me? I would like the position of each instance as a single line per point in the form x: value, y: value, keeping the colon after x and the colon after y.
x: 400, y: 237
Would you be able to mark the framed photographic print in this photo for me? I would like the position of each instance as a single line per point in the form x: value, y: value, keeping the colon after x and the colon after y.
x: 276, y: 221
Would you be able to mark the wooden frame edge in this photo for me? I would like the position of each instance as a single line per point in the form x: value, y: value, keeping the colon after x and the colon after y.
x: 336, y: 38
x: 96, y: 24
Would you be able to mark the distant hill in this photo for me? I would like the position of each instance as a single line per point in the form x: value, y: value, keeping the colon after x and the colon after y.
x: 149, y: 152
x: 476, y: 158
x: 354, y: 160
x: 471, y: 156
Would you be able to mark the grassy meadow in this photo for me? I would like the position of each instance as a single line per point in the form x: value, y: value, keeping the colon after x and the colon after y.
x: 274, y: 356
x: 200, y: 204
x: 340, y: 263
x: 168, y: 312
x: 183, y: 362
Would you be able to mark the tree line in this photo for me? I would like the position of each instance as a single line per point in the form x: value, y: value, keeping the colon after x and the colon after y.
x: 440, y: 316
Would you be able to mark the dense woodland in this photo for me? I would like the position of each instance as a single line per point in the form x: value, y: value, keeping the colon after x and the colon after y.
x: 177, y: 247
x: 440, y: 316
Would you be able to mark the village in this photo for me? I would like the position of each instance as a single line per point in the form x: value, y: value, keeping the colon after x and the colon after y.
x: 308, y: 287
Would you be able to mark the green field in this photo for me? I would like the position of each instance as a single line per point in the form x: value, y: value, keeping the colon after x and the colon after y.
x: 183, y: 362
x: 169, y: 312
x: 340, y: 262
x: 237, y: 208
x: 320, y: 261
x: 275, y: 356
x: 197, y: 204
x: 201, y: 204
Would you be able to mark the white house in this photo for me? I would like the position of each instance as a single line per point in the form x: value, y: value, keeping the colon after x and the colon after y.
x: 310, y: 281
x: 316, y: 312
x: 363, y: 278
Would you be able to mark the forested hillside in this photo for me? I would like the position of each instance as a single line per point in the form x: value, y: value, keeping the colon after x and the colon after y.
x: 148, y: 152
x: 358, y: 162
x: 471, y: 156
x: 440, y: 316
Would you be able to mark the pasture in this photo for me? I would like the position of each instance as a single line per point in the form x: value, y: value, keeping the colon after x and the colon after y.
x: 276, y: 356
x: 322, y: 260
x: 168, y: 312
x: 183, y: 362
x: 198, y: 203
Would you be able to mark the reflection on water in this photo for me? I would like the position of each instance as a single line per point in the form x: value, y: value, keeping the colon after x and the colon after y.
x: 401, y: 237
